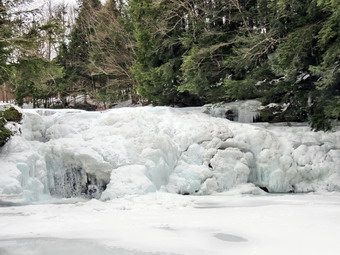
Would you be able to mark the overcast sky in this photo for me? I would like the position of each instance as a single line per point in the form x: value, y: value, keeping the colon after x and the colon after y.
x: 38, y: 3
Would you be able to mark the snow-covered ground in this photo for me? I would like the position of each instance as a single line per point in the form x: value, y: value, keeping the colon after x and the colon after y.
x: 163, y: 223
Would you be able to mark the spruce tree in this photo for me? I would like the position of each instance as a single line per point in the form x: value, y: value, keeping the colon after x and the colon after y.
x: 326, y: 97
x: 75, y: 56
x: 157, y: 28
x: 278, y: 58
x: 209, y: 37
x: 111, y: 54
x: 5, y: 34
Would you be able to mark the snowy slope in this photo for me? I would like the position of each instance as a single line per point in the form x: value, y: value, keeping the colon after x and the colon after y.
x: 140, y: 150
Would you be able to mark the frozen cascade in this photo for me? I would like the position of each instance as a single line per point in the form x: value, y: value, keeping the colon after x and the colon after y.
x: 138, y: 150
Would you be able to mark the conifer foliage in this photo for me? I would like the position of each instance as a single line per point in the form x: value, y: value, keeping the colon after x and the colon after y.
x: 187, y: 52
x: 284, y: 52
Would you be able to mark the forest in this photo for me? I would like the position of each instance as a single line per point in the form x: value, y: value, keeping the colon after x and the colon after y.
x: 177, y: 52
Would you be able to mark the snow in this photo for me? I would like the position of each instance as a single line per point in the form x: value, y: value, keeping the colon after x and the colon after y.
x: 164, y: 223
x: 129, y: 151
x: 126, y: 180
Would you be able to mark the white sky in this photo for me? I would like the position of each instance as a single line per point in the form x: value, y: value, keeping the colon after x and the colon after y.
x: 41, y: 2
x: 70, y: 2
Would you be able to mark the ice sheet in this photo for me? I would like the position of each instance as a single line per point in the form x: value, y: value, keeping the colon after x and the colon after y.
x: 163, y: 223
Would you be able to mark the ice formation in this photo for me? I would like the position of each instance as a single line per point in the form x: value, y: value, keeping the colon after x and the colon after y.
x: 244, y: 111
x: 124, y: 151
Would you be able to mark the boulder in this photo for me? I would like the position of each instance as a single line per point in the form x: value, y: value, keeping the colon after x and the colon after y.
x: 8, y: 114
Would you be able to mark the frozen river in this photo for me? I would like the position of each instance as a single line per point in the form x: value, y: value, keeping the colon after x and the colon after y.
x: 161, y: 223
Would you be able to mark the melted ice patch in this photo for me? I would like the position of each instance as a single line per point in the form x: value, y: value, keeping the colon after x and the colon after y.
x: 230, y: 238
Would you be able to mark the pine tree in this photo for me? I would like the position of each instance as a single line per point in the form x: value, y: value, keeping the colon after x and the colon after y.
x: 75, y: 56
x: 326, y: 98
x: 35, y: 78
x: 5, y: 35
x: 111, y: 54
x: 282, y: 53
x: 157, y: 28
x: 25, y: 69
x: 209, y: 37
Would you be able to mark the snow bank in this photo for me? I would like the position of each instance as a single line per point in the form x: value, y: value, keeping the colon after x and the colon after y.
x: 138, y: 150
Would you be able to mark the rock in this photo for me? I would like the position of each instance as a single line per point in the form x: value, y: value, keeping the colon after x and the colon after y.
x: 274, y: 113
x: 4, y: 132
x: 7, y: 114
x: 271, y: 113
x: 12, y: 114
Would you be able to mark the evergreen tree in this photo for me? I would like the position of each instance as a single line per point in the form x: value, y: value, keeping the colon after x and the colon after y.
x: 326, y: 98
x: 35, y: 77
x: 279, y: 59
x: 180, y: 52
x: 75, y: 56
x: 5, y: 35
x: 157, y: 28
x: 111, y: 54
x: 24, y: 68
x: 209, y: 37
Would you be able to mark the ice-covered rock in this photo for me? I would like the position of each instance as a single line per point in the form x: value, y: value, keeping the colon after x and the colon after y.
x: 137, y: 150
x: 244, y: 111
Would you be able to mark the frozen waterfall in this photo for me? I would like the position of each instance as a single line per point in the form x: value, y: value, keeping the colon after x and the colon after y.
x: 110, y: 154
